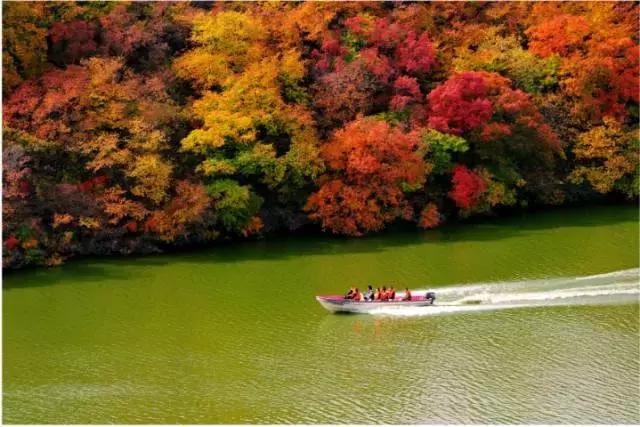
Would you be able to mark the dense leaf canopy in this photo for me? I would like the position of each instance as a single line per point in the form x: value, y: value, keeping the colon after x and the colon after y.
x: 133, y: 127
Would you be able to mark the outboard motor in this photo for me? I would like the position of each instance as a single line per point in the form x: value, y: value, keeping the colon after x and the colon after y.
x: 431, y: 297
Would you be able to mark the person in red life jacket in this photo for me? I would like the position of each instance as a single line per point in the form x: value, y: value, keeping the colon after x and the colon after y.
x: 384, y: 295
x: 392, y: 294
x: 407, y: 295
x: 349, y: 294
x: 377, y: 295
x: 357, y: 296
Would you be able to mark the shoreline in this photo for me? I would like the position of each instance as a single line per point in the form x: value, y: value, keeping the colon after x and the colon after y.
x: 458, y: 224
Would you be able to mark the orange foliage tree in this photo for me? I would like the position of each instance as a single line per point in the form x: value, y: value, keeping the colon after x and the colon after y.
x: 600, y: 59
x: 371, y: 167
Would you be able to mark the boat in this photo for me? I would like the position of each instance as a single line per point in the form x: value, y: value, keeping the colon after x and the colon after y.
x: 338, y: 304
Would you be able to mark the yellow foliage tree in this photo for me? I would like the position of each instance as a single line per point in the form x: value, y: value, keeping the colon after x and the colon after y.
x: 24, y: 51
x: 609, y: 159
x: 251, y: 113
x: 152, y: 176
x: 226, y: 43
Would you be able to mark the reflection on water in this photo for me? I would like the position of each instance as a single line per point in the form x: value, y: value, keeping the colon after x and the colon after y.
x: 234, y: 335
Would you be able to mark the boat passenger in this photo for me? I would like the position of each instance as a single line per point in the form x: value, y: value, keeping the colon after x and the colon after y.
x: 376, y: 296
x: 349, y: 294
x: 357, y: 296
x: 392, y: 294
x: 368, y: 296
x: 431, y: 297
x: 384, y: 295
x: 407, y: 295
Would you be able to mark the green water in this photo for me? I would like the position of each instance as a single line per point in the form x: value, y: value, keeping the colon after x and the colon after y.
x: 234, y: 335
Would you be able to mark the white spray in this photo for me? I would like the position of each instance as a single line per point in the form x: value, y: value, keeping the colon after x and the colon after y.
x: 615, y: 287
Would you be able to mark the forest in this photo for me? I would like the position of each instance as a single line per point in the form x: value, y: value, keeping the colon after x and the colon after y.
x: 145, y: 126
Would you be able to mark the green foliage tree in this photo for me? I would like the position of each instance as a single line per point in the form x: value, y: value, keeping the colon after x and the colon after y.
x: 506, y: 56
x: 441, y: 148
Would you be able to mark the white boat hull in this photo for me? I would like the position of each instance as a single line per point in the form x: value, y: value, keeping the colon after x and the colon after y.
x: 340, y: 305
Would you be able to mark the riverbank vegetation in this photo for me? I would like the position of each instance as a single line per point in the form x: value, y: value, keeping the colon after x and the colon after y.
x: 129, y: 127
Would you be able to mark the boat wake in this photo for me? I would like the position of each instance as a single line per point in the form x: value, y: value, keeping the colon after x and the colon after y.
x: 609, y: 288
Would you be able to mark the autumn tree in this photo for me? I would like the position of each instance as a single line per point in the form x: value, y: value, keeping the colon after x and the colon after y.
x: 252, y: 125
x: 23, y: 207
x: 225, y: 44
x: 24, y: 46
x: 116, y: 121
x: 185, y: 207
x: 509, y: 135
x: 607, y: 159
x: 15, y: 199
x: 71, y: 41
x: 460, y: 105
x: 369, y: 64
x: 144, y: 34
x: 505, y: 55
x: 599, y: 56
x: 371, y: 167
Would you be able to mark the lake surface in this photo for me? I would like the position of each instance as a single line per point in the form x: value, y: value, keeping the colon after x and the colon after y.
x: 233, y: 334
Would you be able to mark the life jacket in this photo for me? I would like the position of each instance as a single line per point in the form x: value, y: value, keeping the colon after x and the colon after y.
x: 392, y: 295
x: 357, y: 296
x: 384, y: 295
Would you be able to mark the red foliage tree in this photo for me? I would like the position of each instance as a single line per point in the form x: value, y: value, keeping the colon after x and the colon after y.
x: 93, y: 183
x: 131, y: 226
x: 406, y: 90
x: 387, y: 34
x: 460, y: 104
x: 185, y: 208
x: 71, y: 41
x: 342, y: 95
x: 484, y: 101
x: 378, y: 65
x: 416, y: 54
x: 143, y: 33
x: 46, y: 106
x: 11, y: 243
x: 123, y: 33
x: 467, y: 187
x: 387, y: 55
